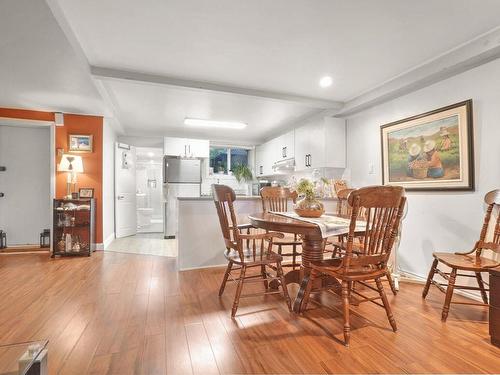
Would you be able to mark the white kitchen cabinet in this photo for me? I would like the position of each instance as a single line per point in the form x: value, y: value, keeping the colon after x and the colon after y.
x: 264, y: 159
x: 284, y: 146
x: 196, y: 148
x: 320, y: 144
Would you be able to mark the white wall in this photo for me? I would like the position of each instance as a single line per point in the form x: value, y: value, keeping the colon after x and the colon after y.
x: 436, y: 221
x: 108, y: 183
x: 26, y: 208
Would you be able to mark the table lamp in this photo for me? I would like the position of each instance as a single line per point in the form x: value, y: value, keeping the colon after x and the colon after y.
x: 72, y: 164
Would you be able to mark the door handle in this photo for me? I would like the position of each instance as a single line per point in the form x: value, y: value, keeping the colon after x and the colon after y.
x: 310, y: 159
x: 2, y: 195
x: 3, y: 169
x: 120, y: 197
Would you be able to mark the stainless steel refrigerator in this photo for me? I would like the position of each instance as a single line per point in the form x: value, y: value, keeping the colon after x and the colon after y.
x: 181, y: 178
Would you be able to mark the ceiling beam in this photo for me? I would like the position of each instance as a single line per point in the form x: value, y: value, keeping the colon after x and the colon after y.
x: 125, y: 75
x: 471, y: 54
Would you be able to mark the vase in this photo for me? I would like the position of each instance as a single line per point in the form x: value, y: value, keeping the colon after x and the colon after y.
x: 309, y: 207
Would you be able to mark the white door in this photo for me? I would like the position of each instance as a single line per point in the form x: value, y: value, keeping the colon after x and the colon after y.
x: 125, y: 191
x: 25, y: 208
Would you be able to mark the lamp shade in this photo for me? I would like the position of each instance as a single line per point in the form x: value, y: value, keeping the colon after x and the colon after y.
x: 70, y: 163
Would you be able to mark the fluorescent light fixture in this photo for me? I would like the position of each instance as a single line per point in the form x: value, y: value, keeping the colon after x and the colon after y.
x: 214, y: 124
x: 325, y: 81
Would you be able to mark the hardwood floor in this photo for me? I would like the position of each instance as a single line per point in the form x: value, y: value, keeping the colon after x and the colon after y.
x: 117, y: 313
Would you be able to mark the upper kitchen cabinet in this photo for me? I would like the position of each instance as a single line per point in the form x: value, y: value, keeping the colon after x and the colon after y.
x: 320, y: 144
x: 185, y: 147
x: 264, y: 159
x: 284, y: 146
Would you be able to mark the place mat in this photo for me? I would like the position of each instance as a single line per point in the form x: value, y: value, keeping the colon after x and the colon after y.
x: 330, y: 225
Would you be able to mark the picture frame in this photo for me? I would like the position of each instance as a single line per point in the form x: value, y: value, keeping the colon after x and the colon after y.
x: 86, y: 192
x: 432, y: 151
x: 80, y: 143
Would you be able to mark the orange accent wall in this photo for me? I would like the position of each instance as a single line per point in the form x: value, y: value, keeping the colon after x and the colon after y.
x: 26, y: 114
x: 92, y: 162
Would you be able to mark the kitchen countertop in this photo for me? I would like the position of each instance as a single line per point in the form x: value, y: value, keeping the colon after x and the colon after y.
x: 238, y: 197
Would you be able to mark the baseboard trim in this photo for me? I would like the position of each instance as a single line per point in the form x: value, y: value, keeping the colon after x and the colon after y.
x: 417, y: 279
x: 202, y: 267
x: 108, y: 241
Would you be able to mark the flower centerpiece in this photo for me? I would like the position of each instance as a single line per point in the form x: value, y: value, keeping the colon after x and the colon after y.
x: 308, y: 205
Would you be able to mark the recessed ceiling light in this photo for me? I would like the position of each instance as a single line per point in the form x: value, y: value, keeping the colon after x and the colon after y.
x: 214, y: 124
x: 325, y: 81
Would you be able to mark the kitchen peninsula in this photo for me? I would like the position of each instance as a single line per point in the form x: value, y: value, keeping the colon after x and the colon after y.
x: 199, y: 240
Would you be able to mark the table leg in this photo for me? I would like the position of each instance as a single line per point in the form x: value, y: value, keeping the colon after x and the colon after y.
x: 312, y: 250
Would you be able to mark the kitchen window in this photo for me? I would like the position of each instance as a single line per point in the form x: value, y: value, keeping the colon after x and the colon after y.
x: 222, y: 158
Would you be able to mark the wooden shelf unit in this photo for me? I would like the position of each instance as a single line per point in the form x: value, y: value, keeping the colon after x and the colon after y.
x: 81, y: 228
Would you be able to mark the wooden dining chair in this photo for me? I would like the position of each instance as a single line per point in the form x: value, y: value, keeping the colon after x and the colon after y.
x: 344, y: 209
x: 471, y: 261
x: 278, y: 199
x: 339, y: 185
x: 246, y: 251
x: 368, y: 262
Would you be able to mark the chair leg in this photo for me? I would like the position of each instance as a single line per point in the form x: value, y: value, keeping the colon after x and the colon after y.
x: 294, y: 257
x: 481, y: 286
x: 307, y: 292
x: 279, y: 271
x: 391, y: 282
x: 449, y: 294
x: 432, y: 271
x: 345, y: 310
x: 224, y: 280
x: 264, y: 276
x: 238, y: 291
x: 388, y: 310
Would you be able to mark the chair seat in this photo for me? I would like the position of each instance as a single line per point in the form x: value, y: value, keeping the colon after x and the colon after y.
x: 249, y: 258
x: 466, y: 262
x: 326, y: 265
x: 289, y: 239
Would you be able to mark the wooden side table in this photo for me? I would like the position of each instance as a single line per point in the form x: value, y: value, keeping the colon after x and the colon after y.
x: 495, y: 306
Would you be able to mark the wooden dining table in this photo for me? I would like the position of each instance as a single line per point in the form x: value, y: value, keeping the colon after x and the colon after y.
x: 312, y: 250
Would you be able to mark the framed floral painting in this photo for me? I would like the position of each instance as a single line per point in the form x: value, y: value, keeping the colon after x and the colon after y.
x: 430, y: 151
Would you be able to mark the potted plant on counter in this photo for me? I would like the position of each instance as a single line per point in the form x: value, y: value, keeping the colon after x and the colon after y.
x: 308, y: 205
x: 243, y: 174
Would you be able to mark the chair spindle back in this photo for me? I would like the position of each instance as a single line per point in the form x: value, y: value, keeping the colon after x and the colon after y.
x: 276, y: 198
x: 224, y: 197
x: 383, y: 208
x: 489, y: 238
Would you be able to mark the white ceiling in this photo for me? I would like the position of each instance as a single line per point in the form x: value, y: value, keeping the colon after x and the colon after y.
x: 38, y: 68
x: 279, y: 46
x: 146, y: 109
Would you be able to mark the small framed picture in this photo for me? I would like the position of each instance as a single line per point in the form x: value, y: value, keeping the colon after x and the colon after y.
x: 86, y: 193
x: 80, y: 143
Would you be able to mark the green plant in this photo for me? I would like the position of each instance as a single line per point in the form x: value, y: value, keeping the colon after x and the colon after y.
x: 242, y: 173
x: 305, y: 188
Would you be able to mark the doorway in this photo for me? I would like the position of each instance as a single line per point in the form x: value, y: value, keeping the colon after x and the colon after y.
x: 149, y: 187
x: 25, y: 183
x: 139, y: 202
